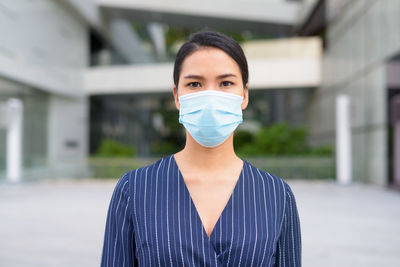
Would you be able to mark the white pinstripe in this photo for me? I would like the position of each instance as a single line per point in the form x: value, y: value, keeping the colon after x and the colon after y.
x: 220, y: 234
x: 134, y: 211
x: 169, y: 244
x: 244, y: 226
x: 116, y: 211
x: 179, y: 222
x: 230, y: 247
x: 284, y: 246
x: 155, y: 213
x: 191, y: 232
x: 123, y: 226
x: 145, y: 223
x: 266, y: 214
x: 255, y: 215
x: 291, y: 227
x: 202, y: 242
x: 275, y: 238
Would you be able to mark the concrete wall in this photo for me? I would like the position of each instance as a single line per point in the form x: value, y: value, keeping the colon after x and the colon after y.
x: 43, y: 45
x: 362, y: 36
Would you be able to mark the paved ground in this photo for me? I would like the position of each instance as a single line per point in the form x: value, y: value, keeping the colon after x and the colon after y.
x: 61, y: 223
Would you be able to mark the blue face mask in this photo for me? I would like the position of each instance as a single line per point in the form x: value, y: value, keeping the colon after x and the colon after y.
x: 210, y: 116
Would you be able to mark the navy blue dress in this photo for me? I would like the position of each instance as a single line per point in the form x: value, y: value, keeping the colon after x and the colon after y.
x: 152, y: 221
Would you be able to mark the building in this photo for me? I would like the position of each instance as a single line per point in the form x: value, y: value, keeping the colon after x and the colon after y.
x: 88, y: 63
x: 43, y: 55
x: 361, y: 60
x: 45, y: 48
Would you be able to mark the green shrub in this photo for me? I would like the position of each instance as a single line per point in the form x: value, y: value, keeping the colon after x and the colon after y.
x: 322, y: 151
x: 113, y: 148
x: 242, y: 138
x: 277, y: 139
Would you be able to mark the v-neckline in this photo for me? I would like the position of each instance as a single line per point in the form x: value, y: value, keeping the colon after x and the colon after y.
x: 193, y: 206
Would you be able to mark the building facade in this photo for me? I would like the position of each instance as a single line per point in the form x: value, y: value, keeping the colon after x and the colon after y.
x: 43, y: 53
x: 362, y: 50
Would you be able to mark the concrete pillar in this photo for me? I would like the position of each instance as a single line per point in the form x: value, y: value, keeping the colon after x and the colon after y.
x: 343, y: 140
x: 14, y: 139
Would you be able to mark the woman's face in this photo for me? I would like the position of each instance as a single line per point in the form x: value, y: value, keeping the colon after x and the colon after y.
x: 210, y: 69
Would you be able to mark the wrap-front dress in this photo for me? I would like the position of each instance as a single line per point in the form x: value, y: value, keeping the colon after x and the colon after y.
x: 152, y: 221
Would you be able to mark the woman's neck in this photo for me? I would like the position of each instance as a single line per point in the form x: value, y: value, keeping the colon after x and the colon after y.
x: 203, y: 158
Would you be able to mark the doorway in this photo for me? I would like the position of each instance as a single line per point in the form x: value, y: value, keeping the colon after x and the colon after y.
x: 393, y: 119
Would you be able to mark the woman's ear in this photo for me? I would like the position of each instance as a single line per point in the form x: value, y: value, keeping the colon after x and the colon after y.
x: 175, y: 92
x: 245, y: 101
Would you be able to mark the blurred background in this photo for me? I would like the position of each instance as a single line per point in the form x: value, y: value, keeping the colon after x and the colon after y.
x: 86, y: 95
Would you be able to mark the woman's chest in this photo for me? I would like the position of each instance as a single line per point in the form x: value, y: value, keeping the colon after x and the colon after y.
x: 169, y: 228
x: 210, y: 199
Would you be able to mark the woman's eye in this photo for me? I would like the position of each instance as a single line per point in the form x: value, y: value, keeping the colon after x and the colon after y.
x: 194, y: 84
x: 226, y: 83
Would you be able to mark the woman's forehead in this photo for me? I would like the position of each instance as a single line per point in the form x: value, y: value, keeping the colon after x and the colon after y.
x: 210, y: 60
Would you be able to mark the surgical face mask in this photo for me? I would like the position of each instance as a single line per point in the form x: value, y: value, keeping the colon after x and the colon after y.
x: 210, y: 116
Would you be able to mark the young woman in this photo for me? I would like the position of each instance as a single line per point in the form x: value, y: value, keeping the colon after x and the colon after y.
x: 204, y: 206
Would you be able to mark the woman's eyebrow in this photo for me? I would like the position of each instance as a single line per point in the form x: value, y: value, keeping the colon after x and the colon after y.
x: 199, y: 77
x: 192, y: 76
x: 226, y: 75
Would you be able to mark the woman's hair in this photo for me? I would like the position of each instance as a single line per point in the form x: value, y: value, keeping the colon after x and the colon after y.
x: 219, y: 40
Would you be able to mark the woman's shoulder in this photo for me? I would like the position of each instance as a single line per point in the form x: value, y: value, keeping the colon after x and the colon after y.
x: 148, y: 170
x: 274, y: 187
x: 273, y: 181
x: 133, y: 181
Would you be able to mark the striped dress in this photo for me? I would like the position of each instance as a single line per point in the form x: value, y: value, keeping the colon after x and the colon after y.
x: 152, y: 221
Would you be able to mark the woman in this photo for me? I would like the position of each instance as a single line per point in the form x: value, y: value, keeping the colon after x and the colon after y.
x: 204, y: 206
